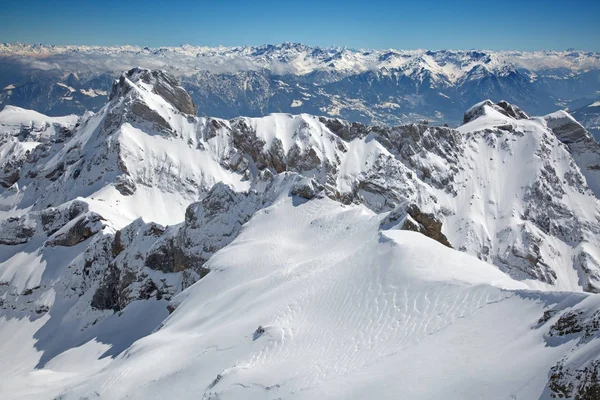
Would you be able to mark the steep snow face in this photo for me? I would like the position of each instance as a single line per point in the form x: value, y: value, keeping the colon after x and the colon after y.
x: 506, y: 188
x: 137, y: 157
x: 298, y: 224
x: 313, y: 300
x: 519, y: 193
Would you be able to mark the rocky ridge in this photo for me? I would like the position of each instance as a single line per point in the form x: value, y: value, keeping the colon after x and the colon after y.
x: 130, y: 203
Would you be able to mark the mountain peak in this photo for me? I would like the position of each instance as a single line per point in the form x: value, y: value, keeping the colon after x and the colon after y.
x: 158, y: 82
x: 503, y: 107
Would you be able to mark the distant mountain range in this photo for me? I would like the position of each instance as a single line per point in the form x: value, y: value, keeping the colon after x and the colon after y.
x: 385, y: 87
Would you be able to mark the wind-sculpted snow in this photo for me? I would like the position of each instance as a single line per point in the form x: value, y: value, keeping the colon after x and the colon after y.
x: 279, y: 249
x: 313, y: 300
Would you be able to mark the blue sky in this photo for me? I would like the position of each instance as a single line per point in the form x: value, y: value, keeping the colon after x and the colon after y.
x: 464, y: 24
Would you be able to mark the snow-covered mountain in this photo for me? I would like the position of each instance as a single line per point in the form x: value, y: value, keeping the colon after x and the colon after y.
x: 589, y: 116
x: 146, y: 252
x: 388, y: 87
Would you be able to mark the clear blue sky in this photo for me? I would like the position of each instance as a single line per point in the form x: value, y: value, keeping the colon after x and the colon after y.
x: 464, y: 24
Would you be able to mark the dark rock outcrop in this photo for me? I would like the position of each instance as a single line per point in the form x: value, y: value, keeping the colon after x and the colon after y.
x: 503, y: 107
x: 427, y: 224
x: 411, y: 218
x: 566, y: 129
x: 170, y: 257
x: 163, y: 84
x: 78, y: 231
x: 16, y: 230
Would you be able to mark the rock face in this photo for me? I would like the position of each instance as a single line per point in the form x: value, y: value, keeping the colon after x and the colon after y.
x: 15, y: 230
x: 589, y: 116
x: 584, y: 149
x: 77, y: 231
x: 162, y: 84
x: 121, y: 209
x: 566, y: 128
x: 426, y: 224
x: 145, y: 142
x: 576, y: 375
x: 502, y: 107
x: 411, y: 218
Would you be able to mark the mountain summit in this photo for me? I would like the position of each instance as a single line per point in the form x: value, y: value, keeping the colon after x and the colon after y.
x: 146, y: 252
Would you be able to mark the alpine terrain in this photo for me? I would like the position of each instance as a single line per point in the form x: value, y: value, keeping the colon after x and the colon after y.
x: 148, y: 251
x: 384, y: 87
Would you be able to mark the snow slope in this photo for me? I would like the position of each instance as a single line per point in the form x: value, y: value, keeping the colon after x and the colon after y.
x: 312, y: 299
x: 146, y: 252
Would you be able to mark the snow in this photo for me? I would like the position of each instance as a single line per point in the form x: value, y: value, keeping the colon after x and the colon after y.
x: 445, y: 65
x: 584, y: 149
x: 348, y: 311
x: 160, y: 195
x: 69, y: 88
x: 12, y: 115
x: 497, y: 182
x: 595, y: 104
x: 93, y: 92
x: 346, y: 308
x: 388, y: 104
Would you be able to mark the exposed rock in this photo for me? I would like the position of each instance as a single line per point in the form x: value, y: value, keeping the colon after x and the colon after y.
x: 117, y: 246
x: 346, y: 130
x: 258, y: 332
x: 511, y: 110
x: 576, y: 322
x: 575, y: 383
x: 566, y: 129
x: 9, y: 178
x: 16, y: 230
x: 411, y: 218
x: 584, y: 148
x: 125, y: 185
x: 54, y: 218
x: 77, y: 231
x: 162, y: 83
x: 112, y: 293
x: 145, y: 113
x: 170, y: 257
x: 306, y: 189
x: 502, y: 107
x: 427, y: 224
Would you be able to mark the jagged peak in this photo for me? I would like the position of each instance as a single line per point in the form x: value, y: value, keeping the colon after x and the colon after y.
x: 158, y: 82
x: 503, y: 107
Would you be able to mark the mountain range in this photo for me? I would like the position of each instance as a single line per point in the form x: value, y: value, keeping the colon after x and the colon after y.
x: 147, y: 252
x: 383, y: 87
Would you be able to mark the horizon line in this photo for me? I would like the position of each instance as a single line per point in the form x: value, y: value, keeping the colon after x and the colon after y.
x: 330, y: 47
